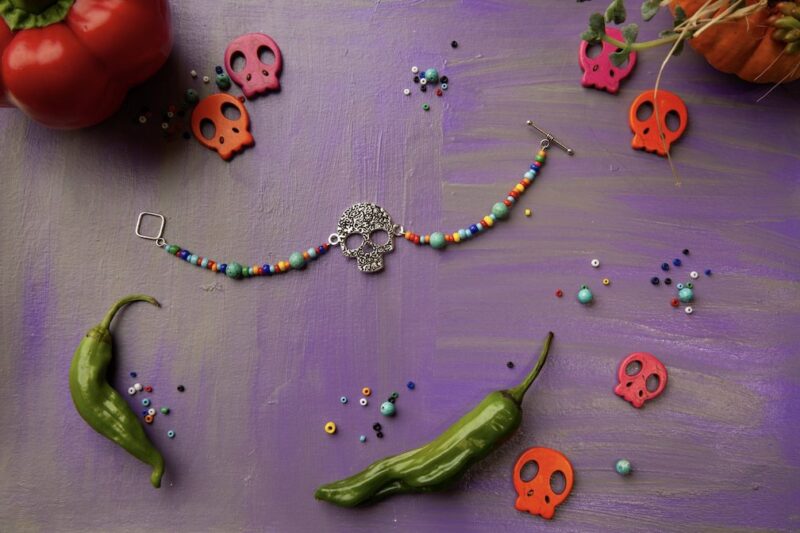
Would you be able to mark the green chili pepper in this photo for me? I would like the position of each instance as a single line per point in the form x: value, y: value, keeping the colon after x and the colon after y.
x: 99, y: 404
x: 437, y: 464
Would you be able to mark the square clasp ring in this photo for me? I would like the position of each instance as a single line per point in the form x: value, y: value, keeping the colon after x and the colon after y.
x: 158, y: 238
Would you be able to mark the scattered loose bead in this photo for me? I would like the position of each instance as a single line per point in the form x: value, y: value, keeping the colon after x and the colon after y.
x: 388, y: 409
x: 694, y: 275
x: 595, y: 263
x: 585, y: 295
x: 665, y: 267
x: 679, y: 286
x: 411, y: 385
x: 689, y: 286
x: 193, y: 73
x: 606, y: 281
x: 171, y: 434
x: 677, y: 262
x: 708, y: 272
x: 366, y: 391
x: 206, y: 79
x: 343, y: 399
x: 416, y: 79
x: 510, y: 364
x: 444, y: 79
x: 148, y: 389
x: 685, y: 251
x: 362, y: 438
x: 654, y: 280
x: 330, y: 428
x: 363, y: 402
x: 151, y: 412
x: 379, y: 435
x: 432, y: 75
x: 181, y: 388
x: 133, y: 374
x: 686, y: 295
x: 406, y: 92
x: 423, y: 88
x: 444, y: 86
x: 667, y: 281
x: 131, y: 391
x: 395, y: 395
x: 138, y: 386
x: 623, y: 467
x: 376, y: 426
x: 142, y: 119
x: 426, y: 107
x: 414, y: 70
x: 165, y: 410
x: 454, y: 44
x: 423, y: 81
x: 559, y: 293
x: 439, y: 92
x: 675, y: 302
x: 145, y: 402
x: 149, y: 419
x: 689, y: 310
x: 223, y: 81
x: 528, y: 212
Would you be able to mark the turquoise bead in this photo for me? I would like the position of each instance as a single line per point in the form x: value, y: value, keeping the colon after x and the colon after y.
x: 585, y: 295
x: 362, y: 438
x: 297, y: 261
x: 234, y: 270
x: 388, y: 409
x: 623, y: 467
x: 500, y: 210
x: 204, y: 263
x: 686, y: 295
x: 437, y: 240
x: 529, y: 174
x: 432, y: 75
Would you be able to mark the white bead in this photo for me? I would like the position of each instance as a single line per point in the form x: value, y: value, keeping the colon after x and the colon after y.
x: 363, y: 402
x: 151, y: 412
x: 595, y: 263
x: 138, y: 386
x: 132, y: 391
x: 406, y: 91
x: 689, y: 310
x: 414, y: 70
x: 193, y: 73
x: 694, y: 275
x: 206, y: 79
x: 142, y: 119
x: 423, y: 81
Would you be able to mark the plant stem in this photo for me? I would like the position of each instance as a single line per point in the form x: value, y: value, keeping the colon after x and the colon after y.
x: 641, y: 46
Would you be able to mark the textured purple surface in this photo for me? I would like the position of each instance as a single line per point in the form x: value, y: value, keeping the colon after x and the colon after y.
x: 265, y: 361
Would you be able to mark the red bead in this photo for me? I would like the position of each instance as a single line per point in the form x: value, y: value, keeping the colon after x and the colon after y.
x: 148, y: 389
x: 675, y: 302
x: 559, y: 293
x: 507, y: 202
x: 199, y: 260
x: 448, y: 238
x: 211, y: 265
x: 438, y: 92
x: 514, y: 194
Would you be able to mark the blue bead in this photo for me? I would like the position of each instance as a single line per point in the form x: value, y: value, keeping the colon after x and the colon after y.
x: 667, y: 281
x: 265, y: 266
x: 708, y: 272
x: 183, y: 254
x: 144, y: 413
x: 321, y: 250
x: 676, y: 262
x: 474, y: 229
x: 665, y: 267
x: 133, y: 374
x: 654, y: 280
x: 679, y: 286
x: 218, y: 69
x: 343, y: 399
x: 411, y: 385
x: 223, y: 267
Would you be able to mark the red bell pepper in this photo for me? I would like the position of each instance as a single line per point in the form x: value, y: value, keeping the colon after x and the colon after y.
x: 69, y: 63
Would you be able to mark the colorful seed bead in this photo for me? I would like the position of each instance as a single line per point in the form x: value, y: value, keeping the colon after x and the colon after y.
x: 172, y: 249
x: 330, y: 428
x: 500, y: 210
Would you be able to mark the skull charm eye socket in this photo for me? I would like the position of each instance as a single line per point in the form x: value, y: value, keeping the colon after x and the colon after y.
x: 539, y: 495
x: 641, y: 377
x: 652, y: 132
x: 365, y: 233
x: 247, y: 64
x: 599, y: 72
x: 226, y: 124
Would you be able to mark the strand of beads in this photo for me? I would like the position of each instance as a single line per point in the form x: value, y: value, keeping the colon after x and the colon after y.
x: 297, y: 261
x: 500, y: 211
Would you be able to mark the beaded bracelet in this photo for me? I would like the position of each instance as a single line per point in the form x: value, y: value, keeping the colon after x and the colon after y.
x: 365, y: 232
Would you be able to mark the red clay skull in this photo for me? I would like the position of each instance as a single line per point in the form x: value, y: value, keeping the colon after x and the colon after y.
x: 599, y: 72
x: 254, y: 77
x: 229, y: 135
x: 633, y: 387
x: 646, y: 132
x: 537, y: 496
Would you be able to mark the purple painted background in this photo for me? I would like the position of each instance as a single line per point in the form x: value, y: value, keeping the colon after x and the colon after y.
x: 266, y: 360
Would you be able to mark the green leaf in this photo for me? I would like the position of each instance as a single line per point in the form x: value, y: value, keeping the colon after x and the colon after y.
x: 590, y: 36
x: 616, y: 12
x: 597, y: 24
x: 679, y: 48
x: 680, y: 16
x: 650, y: 8
x: 630, y: 32
x: 620, y: 57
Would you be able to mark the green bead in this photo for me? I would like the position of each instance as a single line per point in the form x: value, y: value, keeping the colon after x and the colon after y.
x: 388, y: 409
x: 165, y: 410
x: 223, y: 82
x: 426, y: 107
x: 585, y: 295
x: 437, y: 240
x: 172, y: 249
x: 623, y: 467
x: 191, y: 96
x: 233, y: 270
x: 297, y: 261
x: 686, y: 295
x: 539, y: 159
x: 500, y: 210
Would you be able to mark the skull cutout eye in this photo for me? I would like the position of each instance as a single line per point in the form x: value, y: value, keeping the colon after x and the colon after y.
x: 641, y: 377
x: 354, y: 241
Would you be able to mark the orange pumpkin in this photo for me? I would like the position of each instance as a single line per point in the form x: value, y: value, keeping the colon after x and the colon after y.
x: 745, y: 46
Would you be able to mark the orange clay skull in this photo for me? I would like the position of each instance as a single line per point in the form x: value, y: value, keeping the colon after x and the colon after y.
x: 537, y: 496
x: 646, y: 133
x: 228, y: 135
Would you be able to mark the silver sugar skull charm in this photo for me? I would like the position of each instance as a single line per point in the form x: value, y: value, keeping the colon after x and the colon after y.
x: 366, y: 232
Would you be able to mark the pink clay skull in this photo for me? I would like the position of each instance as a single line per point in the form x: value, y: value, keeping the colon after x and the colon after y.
x: 633, y: 387
x: 599, y: 72
x: 254, y: 77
